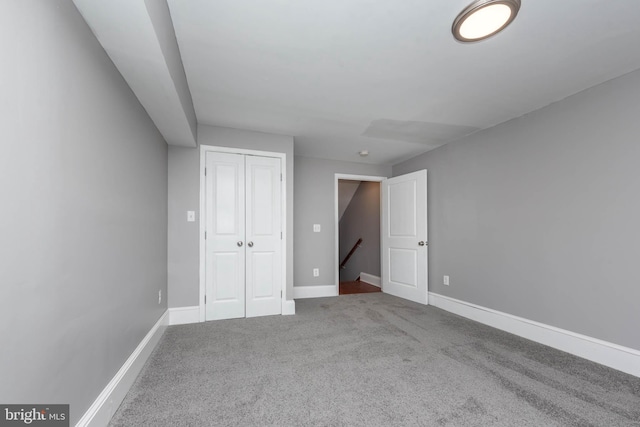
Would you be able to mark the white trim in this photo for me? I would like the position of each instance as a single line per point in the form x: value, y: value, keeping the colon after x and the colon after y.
x: 615, y: 356
x: 371, y: 279
x: 108, y: 401
x: 336, y: 218
x: 184, y: 315
x: 202, y: 246
x: 288, y: 307
x: 283, y: 166
x: 300, y: 292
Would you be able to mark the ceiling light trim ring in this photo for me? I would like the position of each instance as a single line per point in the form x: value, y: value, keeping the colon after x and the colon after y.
x: 474, y: 7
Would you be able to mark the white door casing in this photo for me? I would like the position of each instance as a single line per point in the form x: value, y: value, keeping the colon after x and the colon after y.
x: 404, y: 236
x: 264, y: 236
x: 225, y: 235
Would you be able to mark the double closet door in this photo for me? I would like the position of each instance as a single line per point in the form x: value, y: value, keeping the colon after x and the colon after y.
x: 243, y: 258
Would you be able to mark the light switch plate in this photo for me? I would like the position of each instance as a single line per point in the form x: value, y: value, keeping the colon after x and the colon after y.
x: 191, y: 216
x: 316, y: 228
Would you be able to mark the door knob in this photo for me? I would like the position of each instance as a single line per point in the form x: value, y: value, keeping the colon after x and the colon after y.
x: 239, y: 243
x: 250, y: 244
x: 422, y: 243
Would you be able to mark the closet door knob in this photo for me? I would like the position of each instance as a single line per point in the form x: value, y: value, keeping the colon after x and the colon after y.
x: 239, y: 243
x: 250, y: 244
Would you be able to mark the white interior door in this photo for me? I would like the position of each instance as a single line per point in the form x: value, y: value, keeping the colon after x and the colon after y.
x: 225, y: 228
x: 404, y: 236
x: 264, y: 236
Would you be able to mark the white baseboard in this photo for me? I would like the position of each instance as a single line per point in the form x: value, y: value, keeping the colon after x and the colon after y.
x: 300, y: 292
x: 184, y: 315
x: 370, y: 279
x: 615, y: 356
x: 288, y: 307
x: 187, y: 315
x: 100, y: 412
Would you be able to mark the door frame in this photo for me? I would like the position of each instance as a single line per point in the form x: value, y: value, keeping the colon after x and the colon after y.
x: 204, y: 149
x: 336, y: 213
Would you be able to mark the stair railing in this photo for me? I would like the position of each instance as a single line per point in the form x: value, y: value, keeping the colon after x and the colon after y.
x: 350, y: 254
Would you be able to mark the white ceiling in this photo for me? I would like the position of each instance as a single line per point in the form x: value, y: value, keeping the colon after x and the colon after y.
x: 346, y: 75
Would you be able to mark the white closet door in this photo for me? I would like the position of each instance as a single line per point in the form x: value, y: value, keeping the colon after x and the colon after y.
x: 225, y: 240
x: 264, y: 236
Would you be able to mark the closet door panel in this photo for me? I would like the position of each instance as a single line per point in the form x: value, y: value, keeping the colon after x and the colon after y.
x: 264, y: 236
x: 263, y: 264
x: 225, y: 240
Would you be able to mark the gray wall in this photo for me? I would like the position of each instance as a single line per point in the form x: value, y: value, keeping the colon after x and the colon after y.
x: 315, y: 204
x: 184, y: 195
x: 83, y: 178
x: 361, y: 219
x: 539, y: 217
x: 346, y: 190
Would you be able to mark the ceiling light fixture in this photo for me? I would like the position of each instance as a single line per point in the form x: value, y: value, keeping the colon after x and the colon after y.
x: 484, y: 18
x: 364, y: 153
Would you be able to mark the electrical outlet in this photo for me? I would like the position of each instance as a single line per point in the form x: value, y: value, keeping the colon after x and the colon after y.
x: 316, y: 228
x: 316, y: 272
x: 446, y: 280
x: 160, y: 296
x: 191, y: 216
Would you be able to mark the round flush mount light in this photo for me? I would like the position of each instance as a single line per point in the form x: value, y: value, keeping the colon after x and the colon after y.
x: 484, y: 18
x: 364, y: 153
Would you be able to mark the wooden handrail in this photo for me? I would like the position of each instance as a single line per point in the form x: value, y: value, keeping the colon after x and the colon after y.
x: 350, y: 254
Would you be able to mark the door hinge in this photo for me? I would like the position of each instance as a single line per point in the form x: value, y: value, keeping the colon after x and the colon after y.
x: 280, y: 177
x: 205, y: 235
x: 205, y: 299
x: 281, y: 235
x: 280, y: 294
x: 205, y: 171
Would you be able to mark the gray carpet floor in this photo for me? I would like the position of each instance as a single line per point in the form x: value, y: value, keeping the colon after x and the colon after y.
x: 370, y: 360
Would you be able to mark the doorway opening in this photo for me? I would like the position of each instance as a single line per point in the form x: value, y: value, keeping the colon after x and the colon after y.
x: 358, y: 253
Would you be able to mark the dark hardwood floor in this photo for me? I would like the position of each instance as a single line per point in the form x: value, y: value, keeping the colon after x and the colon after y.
x: 357, y: 287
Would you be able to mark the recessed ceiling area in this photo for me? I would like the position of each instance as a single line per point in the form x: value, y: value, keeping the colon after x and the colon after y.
x: 389, y: 77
